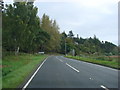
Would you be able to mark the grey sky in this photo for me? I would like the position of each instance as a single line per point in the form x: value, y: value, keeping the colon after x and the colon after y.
x: 86, y: 17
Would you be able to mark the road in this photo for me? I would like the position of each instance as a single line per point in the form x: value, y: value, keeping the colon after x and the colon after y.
x: 61, y: 72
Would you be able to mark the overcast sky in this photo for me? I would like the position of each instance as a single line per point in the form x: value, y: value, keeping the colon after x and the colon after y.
x: 84, y: 17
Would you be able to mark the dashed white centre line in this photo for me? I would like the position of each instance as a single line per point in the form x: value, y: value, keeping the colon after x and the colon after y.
x: 90, y: 78
x: 104, y: 87
x: 72, y: 67
x: 68, y: 65
x: 59, y: 59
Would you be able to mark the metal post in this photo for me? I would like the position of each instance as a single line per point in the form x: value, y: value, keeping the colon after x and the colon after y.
x: 65, y: 47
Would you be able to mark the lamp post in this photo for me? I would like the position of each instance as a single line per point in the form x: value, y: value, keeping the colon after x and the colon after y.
x: 65, y: 47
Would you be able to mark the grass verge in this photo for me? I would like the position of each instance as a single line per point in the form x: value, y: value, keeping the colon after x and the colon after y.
x: 16, y: 68
x: 112, y: 64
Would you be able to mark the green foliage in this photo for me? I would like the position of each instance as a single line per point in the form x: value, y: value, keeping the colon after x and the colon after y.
x: 63, y: 42
x: 71, y: 35
x: 22, y: 30
x: 87, y: 46
x: 50, y: 26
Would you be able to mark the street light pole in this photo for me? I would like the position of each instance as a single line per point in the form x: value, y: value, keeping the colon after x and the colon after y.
x: 65, y: 47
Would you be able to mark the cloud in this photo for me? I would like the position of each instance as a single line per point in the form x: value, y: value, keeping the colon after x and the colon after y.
x: 84, y: 17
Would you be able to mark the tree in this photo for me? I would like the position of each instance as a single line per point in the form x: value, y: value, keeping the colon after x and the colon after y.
x: 50, y: 26
x: 24, y: 31
x: 21, y: 28
x: 63, y: 42
x: 70, y: 34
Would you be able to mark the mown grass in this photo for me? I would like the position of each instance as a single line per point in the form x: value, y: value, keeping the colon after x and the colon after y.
x: 17, y: 68
x: 111, y: 62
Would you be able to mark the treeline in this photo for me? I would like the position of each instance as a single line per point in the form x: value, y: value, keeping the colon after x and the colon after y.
x: 24, y: 31
x: 87, y: 45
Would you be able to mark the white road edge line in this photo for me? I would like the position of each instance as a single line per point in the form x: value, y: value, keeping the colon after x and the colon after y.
x: 72, y: 67
x: 59, y: 59
x: 104, y: 87
x: 94, y: 64
x: 33, y: 75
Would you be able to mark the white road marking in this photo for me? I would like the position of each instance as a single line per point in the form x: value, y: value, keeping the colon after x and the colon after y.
x: 92, y: 64
x: 90, y: 78
x: 33, y: 75
x: 101, y: 66
x: 72, y: 67
x: 59, y: 59
x: 104, y: 87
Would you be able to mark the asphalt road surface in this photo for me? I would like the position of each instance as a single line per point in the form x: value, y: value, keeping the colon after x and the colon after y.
x: 61, y: 72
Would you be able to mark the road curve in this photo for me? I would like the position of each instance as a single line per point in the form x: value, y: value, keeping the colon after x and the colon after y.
x: 61, y: 72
